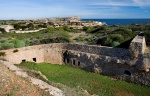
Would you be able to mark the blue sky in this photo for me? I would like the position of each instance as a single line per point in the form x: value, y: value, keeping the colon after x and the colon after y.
x: 33, y: 9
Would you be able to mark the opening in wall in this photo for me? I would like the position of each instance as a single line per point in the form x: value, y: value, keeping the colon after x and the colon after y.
x: 24, y: 60
x: 128, y: 73
x: 74, y: 62
x: 64, y: 60
x: 67, y: 60
x: 78, y: 63
x: 34, y: 59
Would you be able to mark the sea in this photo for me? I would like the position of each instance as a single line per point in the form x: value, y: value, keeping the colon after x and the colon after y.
x: 121, y: 21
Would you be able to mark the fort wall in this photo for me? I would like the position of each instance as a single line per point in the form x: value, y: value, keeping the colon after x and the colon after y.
x: 138, y: 46
x: 114, y: 62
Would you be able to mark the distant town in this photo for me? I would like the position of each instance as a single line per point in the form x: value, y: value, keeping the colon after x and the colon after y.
x: 26, y: 26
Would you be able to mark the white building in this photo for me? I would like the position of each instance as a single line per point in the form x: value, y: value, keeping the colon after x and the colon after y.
x: 7, y: 28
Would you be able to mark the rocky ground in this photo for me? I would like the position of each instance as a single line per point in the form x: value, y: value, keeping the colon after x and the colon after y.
x: 13, y: 85
x: 15, y: 82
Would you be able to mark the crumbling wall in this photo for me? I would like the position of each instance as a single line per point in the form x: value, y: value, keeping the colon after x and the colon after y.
x: 106, y: 65
x: 50, y: 53
x: 100, y: 50
x: 109, y: 61
x: 53, y: 55
x: 137, y: 46
x: 32, y: 54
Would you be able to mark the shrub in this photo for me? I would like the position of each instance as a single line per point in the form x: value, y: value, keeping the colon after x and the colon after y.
x: 20, y: 43
x: 79, y: 39
x: 16, y: 50
x: 117, y: 37
x: 2, y: 54
x: 6, y: 45
x: 115, y: 43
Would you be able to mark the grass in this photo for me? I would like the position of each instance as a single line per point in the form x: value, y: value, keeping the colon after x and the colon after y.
x: 93, y: 83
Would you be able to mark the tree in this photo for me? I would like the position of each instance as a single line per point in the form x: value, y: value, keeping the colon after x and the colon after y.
x: 17, y: 26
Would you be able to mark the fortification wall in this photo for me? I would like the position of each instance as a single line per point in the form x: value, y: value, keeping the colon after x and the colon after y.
x: 50, y: 53
x: 24, y: 54
x: 100, y: 50
x: 106, y: 65
x: 138, y: 46
x: 109, y: 61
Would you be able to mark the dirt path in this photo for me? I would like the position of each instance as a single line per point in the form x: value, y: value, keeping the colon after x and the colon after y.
x: 23, y: 85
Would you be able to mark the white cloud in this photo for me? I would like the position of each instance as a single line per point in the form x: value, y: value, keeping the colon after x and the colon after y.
x: 142, y: 3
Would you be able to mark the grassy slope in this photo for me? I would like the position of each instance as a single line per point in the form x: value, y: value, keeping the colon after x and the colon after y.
x: 93, y: 83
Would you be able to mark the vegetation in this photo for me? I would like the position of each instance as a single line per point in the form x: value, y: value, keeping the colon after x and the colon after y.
x: 93, y: 83
x: 2, y: 54
x: 2, y: 30
x: 50, y: 35
x: 16, y: 50
x: 112, y: 36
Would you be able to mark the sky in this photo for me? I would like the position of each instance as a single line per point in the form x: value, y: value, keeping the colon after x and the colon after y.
x: 86, y: 9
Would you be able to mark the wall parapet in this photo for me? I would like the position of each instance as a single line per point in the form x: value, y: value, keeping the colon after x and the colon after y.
x: 137, y: 46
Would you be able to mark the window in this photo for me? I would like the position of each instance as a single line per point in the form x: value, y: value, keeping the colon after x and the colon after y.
x: 128, y: 73
x: 34, y: 59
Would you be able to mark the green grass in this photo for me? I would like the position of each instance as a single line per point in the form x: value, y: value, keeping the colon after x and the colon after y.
x: 93, y: 83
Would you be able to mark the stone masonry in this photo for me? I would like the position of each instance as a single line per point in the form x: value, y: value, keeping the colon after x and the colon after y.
x: 114, y: 62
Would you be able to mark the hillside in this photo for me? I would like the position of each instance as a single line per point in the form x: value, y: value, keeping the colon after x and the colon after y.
x: 13, y: 85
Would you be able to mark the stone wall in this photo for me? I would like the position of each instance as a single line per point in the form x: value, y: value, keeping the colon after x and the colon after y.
x: 109, y: 61
x: 138, y: 46
x: 106, y: 65
x: 100, y: 50
x: 50, y: 53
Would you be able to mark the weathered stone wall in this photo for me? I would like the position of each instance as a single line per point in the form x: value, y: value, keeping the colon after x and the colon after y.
x: 106, y: 65
x: 24, y: 54
x: 53, y: 54
x: 109, y: 61
x: 138, y: 46
x: 50, y: 53
x: 100, y: 50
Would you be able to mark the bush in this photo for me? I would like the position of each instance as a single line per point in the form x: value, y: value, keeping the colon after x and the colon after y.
x: 115, y: 43
x: 16, y: 50
x: 18, y: 43
x: 2, y: 54
x: 147, y: 37
x: 117, y: 37
x: 6, y: 45
x: 79, y: 39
